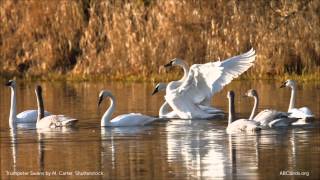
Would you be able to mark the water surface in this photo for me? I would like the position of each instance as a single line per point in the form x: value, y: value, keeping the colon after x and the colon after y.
x: 176, y: 149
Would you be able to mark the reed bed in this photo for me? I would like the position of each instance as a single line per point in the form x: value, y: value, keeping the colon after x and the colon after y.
x: 91, y: 39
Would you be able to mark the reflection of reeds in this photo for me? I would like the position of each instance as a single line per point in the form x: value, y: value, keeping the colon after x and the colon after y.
x: 119, y: 39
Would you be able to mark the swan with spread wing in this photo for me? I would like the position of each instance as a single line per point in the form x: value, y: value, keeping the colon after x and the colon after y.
x: 201, y: 82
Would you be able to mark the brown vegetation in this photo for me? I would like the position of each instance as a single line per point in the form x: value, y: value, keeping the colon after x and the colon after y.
x: 118, y: 38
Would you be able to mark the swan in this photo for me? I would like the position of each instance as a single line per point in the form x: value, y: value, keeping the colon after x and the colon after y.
x: 52, y: 121
x: 268, y: 117
x: 240, y: 124
x: 164, y: 111
x: 202, y: 81
x: 28, y: 116
x: 301, y: 113
x: 132, y: 119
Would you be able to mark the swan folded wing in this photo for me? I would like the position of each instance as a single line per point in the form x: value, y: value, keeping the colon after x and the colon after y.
x: 54, y: 121
x: 268, y: 115
x: 281, y: 122
x: 132, y: 119
x: 242, y: 125
x: 303, y: 112
x: 204, y: 80
x: 29, y: 116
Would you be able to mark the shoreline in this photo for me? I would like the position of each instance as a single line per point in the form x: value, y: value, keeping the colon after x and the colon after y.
x: 311, y: 77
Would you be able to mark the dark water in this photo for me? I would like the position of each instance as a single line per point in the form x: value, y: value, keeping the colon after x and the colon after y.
x: 177, y: 149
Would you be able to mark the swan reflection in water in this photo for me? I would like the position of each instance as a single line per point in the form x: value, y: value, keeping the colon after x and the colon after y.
x: 118, y: 143
x: 194, y: 148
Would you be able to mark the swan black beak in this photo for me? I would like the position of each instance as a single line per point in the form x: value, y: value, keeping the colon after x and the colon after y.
x: 9, y: 83
x: 155, y: 90
x: 100, y: 100
x: 168, y: 65
x: 283, y: 85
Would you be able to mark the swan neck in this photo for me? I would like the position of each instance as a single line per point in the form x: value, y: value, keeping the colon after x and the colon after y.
x: 231, y: 110
x: 292, y: 98
x: 255, y: 106
x: 164, y: 109
x: 185, y: 71
x: 13, y: 108
x: 40, y: 106
x: 105, y: 121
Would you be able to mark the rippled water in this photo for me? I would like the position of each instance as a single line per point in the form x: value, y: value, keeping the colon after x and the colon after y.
x: 176, y: 149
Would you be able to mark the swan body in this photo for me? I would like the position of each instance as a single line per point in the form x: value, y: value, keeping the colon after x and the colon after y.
x: 55, y: 121
x: 239, y: 125
x: 132, y: 119
x: 166, y: 112
x: 272, y: 118
x: 242, y: 125
x: 28, y: 116
x: 52, y: 121
x: 268, y: 117
x: 301, y: 113
x: 202, y: 82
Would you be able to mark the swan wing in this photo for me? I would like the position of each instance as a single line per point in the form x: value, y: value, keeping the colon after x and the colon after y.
x: 281, y: 122
x: 169, y: 115
x: 204, y: 80
x: 132, y: 119
x: 242, y: 125
x: 29, y: 116
x: 303, y: 112
x: 54, y: 121
x: 268, y: 115
x: 211, y: 110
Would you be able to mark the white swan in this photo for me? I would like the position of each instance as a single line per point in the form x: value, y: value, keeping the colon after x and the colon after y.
x: 301, y: 113
x: 268, y: 117
x: 202, y: 81
x: 240, y: 124
x: 28, y: 116
x: 132, y: 119
x: 52, y: 121
x: 165, y: 110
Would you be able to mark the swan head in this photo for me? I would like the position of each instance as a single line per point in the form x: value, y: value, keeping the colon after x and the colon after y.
x: 38, y: 89
x: 230, y: 95
x: 174, y: 62
x: 288, y: 83
x: 102, y: 95
x: 11, y: 83
x: 159, y: 87
x: 251, y: 93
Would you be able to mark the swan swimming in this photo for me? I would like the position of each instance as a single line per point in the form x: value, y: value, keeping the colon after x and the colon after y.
x: 52, y: 121
x: 132, y: 119
x: 240, y: 124
x: 165, y: 112
x: 268, y: 117
x: 301, y: 113
x: 28, y: 116
x: 202, y: 81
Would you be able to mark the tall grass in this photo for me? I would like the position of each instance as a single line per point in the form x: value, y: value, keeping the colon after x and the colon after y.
x: 132, y: 39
